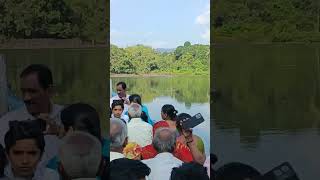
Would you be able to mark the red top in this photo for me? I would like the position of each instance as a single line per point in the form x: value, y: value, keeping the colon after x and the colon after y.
x: 181, y: 151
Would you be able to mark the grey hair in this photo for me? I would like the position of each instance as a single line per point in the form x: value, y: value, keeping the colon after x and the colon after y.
x: 119, y: 135
x: 135, y: 110
x: 164, y: 144
x: 80, y: 155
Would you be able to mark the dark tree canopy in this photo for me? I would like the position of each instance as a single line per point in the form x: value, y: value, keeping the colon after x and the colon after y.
x: 266, y: 21
x: 85, y: 19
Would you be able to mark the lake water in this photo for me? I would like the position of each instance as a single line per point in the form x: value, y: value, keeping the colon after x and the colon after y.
x: 188, y: 94
x: 79, y: 75
x: 269, y: 108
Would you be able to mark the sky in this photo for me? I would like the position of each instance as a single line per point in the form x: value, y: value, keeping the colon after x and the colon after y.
x: 159, y: 23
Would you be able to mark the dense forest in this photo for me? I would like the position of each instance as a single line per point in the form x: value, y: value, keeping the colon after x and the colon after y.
x: 140, y: 59
x: 84, y: 19
x: 266, y: 21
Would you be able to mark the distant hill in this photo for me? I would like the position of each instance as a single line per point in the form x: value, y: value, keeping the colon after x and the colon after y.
x: 165, y: 50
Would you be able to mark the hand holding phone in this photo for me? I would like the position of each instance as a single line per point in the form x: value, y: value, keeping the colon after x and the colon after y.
x: 192, y: 122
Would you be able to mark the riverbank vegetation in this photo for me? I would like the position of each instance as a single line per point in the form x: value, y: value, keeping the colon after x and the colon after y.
x: 56, y: 19
x: 266, y: 21
x: 140, y: 59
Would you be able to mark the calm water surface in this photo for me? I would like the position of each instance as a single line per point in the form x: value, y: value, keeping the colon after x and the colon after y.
x: 269, y: 108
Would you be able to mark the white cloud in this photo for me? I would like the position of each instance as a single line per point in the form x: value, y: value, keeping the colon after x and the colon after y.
x: 206, y: 35
x: 204, y: 20
x: 156, y: 44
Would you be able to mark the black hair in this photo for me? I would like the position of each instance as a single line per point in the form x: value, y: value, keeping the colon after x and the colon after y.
x: 170, y: 111
x: 189, y: 171
x: 19, y: 130
x: 144, y: 116
x: 128, y: 169
x: 123, y: 85
x: 44, y: 74
x: 3, y: 160
x: 236, y: 171
x: 135, y: 98
x: 117, y: 103
x: 181, y: 117
x: 81, y: 117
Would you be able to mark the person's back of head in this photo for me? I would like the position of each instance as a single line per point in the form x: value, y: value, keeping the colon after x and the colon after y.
x: 135, y: 110
x: 168, y: 112
x: 81, y: 117
x: 128, y: 169
x: 236, y: 171
x: 164, y: 140
x: 80, y: 156
x: 189, y: 171
x: 181, y: 117
x: 118, y: 134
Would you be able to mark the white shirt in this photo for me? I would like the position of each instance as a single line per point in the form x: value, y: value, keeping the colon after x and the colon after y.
x: 139, y: 132
x: 126, y: 106
x: 161, y: 166
x: 52, y: 141
x: 115, y: 155
x: 40, y: 174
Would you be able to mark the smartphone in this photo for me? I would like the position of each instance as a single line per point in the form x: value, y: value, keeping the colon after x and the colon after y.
x: 282, y: 172
x: 193, y: 121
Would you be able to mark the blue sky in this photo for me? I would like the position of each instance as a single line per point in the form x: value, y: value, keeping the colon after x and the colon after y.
x: 159, y: 23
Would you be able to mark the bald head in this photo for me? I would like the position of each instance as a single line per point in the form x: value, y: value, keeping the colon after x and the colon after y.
x: 164, y: 140
x: 80, y: 155
x: 135, y: 110
x: 118, y: 134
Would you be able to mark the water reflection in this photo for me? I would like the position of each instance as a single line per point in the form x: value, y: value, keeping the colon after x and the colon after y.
x: 269, y: 108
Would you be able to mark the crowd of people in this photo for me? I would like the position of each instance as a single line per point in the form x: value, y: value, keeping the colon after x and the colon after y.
x: 141, y: 148
x: 45, y: 141
x: 42, y: 140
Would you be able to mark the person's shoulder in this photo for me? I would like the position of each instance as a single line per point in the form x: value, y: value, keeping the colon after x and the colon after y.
x: 51, y: 174
x: 16, y: 114
x: 147, y: 161
x: 147, y: 125
x: 178, y: 161
x: 198, y: 138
